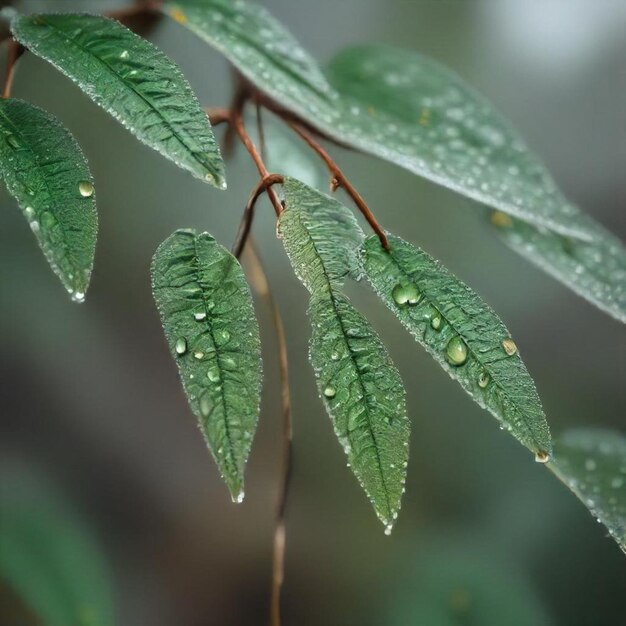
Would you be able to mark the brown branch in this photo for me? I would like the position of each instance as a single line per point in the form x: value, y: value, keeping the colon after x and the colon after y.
x: 14, y: 52
x: 339, y: 180
x: 259, y: 281
x: 246, y: 219
x: 217, y: 115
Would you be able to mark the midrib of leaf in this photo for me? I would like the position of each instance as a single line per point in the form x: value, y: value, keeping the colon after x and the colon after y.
x: 433, y: 301
x: 41, y: 168
x: 273, y: 60
x: 130, y: 86
x: 330, y: 293
x: 222, y: 395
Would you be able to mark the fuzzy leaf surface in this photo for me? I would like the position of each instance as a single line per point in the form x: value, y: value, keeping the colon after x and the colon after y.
x: 208, y: 317
x: 44, y: 169
x: 462, y: 333
x: 132, y: 80
x: 592, y: 463
x: 357, y: 381
x: 595, y: 270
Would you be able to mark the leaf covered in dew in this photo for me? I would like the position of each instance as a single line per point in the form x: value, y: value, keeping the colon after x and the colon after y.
x: 45, y: 170
x: 595, y: 270
x: 592, y: 463
x: 462, y: 333
x: 132, y: 80
x: 357, y: 381
x: 208, y: 317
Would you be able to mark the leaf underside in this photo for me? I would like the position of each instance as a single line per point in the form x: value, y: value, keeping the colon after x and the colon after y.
x: 208, y: 317
x: 361, y: 389
x: 132, y: 80
x: 44, y: 168
x: 391, y: 103
x: 592, y: 463
x: 595, y: 270
x: 462, y: 333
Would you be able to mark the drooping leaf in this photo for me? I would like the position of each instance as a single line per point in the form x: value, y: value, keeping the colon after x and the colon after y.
x: 592, y: 463
x: 461, y: 333
x: 361, y: 389
x: 44, y: 169
x: 259, y: 47
x: 50, y: 559
x: 132, y: 80
x: 595, y: 270
x: 412, y: 111
x: 323, y: 235
x: 209, y: 322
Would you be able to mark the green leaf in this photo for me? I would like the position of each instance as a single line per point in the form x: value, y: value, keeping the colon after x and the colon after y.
x: 50, y: 559
x: 595, y: 270
x: 414, y: 112
x: 209, y: 322
x: 44, y: 169
x: 592, y: 463
x: 132, y: 80
x: 259, y: 47
x: 461, y: 333
x: 361, y: 389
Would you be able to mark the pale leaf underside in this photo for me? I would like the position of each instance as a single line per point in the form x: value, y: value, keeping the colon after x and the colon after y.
x: 208, y: 318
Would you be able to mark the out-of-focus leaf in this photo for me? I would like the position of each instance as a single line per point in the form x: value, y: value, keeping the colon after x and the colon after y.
x: 50, y: 559
x: 412, y: 111
x: 461, y: 333
x: 592, y: 463
x: 361, y: 389
x: 259, y: 47
x: 132, y: 80
x: 44, y: 169
x: 595, y: 270
x: 209, y: 322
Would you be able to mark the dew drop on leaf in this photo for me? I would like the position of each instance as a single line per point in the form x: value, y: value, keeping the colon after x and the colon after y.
x: 199, y: 316
x: 181, y: 345
x: 406, y: 294
x: 435, y: 322
x: 85, y: 188
x: 456, y: 351
x: 483, y: 380
x: 509, y: 347
x: 542, y: 457
x: 330, y: 392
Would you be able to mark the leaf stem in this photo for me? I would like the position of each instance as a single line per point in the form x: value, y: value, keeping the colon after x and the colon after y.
x: 258, y: 278
x: 340, y: 180
x: 14, y: 52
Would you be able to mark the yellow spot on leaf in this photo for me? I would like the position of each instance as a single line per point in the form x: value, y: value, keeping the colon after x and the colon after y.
x: 178, y: 16
x: 424, y: 119
x: 501, y: 220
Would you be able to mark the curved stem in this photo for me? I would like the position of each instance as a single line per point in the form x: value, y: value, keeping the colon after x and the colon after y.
x: 14, y: 52
x: 339, y: 180
x: 258, y: 278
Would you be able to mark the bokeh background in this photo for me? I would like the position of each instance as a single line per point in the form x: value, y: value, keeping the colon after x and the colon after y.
x: 90, y: 399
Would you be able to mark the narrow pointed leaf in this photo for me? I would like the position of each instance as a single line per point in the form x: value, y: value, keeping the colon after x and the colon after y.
x: 361, y: 389
x: 132, y: 80
x: 44, y: 168
x: 414, y: 112
x: 258, y: 46
x: 50, y: 558
x: 209, y: 322
x: 461, y: 333
x: 595, y: 270
x: 592, y: 463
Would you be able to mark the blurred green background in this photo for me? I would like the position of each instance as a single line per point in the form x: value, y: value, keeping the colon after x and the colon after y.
x: 90, y: 398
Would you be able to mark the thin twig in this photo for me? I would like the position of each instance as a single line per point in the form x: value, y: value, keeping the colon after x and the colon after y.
x: 240, y: 129
x: 259, y: 127
x: 339, y: 180
x: 217, y: 115
x: 258, y: 278
x: 138, y: 9
x: 14, y: 52
x: 246, y: 219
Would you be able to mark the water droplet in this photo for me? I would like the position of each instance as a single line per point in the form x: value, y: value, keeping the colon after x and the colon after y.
x: 225, y: 335
x: 388, y: 529
x: 85, y: 188
x: 199, y: 316
x: 124, y: 54
x: 198, y: 354
x: 483, y: 380
x: 29, y: 212
x: 34, y: 226
x: 509, y: 347
x: 456, y: 351
x: 205, y: 405
x: 542, y: 457
x: 330, y: 392
x: 213, y: 375
x: 12, y: 141
x: 406, y: 294
x: 335, y: 356
x: 238, y: 499
x: 435, y: 322
x: 78, y: 296
x: 181, y: 345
